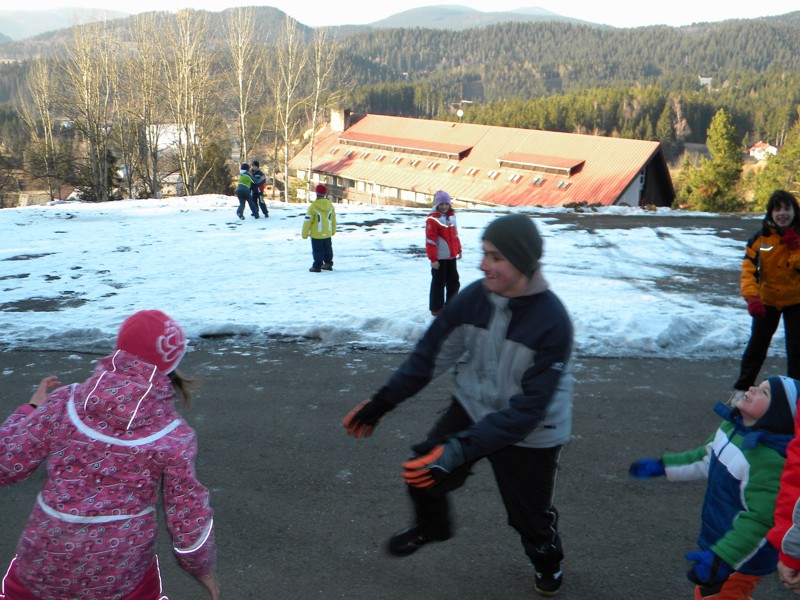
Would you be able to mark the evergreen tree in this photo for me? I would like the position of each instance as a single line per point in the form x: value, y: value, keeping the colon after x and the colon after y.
x: 781, y: 172
x: 713, y: 183
x: 665, y: 131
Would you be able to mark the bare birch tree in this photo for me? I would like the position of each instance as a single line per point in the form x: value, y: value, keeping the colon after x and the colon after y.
x: 88, y: 72
x: 37, y: 115
x: 186, y: 66
x: 291, y: 61
x: 126, y: 132
x: 324, y: 53
x: 147, y: 105
x: 245, y: 78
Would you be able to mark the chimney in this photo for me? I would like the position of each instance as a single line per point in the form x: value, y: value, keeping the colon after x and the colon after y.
x: 340, y: 119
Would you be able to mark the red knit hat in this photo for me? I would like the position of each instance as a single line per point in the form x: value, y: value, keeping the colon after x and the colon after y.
x: 154, y: 337
x: 321, y: 190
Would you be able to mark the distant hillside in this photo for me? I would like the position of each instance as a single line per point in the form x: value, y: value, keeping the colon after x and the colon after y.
x: 21, y: 24
x: 268, y: 21
x: 459, y: 18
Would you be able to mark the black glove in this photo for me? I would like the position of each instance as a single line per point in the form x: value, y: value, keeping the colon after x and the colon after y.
x: 432, y: 468
x: 362, y: 420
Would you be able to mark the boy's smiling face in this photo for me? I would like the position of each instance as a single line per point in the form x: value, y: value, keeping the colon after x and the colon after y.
x: 499, y: 275
x: 755, y: 402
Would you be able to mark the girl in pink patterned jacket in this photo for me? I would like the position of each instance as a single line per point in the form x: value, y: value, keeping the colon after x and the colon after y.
x: 109, y: 444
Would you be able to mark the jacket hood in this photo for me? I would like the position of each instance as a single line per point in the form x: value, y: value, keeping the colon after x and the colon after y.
x: 322, y: 203
x: 126, y: 394
x: 753, y: 435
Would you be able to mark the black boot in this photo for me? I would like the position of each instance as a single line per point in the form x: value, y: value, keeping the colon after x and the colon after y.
x: 408, y: 541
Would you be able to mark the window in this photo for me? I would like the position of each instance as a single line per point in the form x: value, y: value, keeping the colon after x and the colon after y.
x: 335, y: 150
x: 514, y: 177
x: 537, y: 181
x: 562, y: 185
x: 493, y: 174
x: 433, y: 165
x: 397, y: 160
x: 452, y: 168
x: 414, y: 162
x: 472, y: 171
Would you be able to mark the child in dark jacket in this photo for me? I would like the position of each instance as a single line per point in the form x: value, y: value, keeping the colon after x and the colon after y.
x: 742, y: 462
x: 257, y: 189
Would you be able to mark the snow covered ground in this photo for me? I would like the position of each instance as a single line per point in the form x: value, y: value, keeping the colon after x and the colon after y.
x: 71, y: 272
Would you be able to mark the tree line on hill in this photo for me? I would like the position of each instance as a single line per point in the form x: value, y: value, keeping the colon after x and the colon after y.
x: 247, y: 82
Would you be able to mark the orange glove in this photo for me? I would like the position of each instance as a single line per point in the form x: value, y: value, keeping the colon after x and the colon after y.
x: 432, y: 468
x: 363, y: 419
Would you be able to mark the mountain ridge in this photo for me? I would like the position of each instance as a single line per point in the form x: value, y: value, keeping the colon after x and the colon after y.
x: 17, y: 25
x: 22, y: 24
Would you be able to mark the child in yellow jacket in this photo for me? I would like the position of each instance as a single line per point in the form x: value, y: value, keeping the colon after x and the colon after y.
x: 320, y: 224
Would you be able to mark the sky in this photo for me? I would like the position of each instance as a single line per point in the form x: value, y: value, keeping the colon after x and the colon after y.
x: 71, y: 272
x: 611, y: 12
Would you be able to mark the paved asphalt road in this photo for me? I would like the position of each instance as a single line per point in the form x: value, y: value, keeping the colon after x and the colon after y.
x: 303, y: 511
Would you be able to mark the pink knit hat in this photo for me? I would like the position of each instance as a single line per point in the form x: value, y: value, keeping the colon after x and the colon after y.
x: 441, y: 197
x: 154, y: 337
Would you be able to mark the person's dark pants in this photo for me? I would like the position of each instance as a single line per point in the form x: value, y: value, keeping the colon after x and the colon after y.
x: 761, y: 333
x: 322, y: 251
x: 246, y: 196
x: 526, y: 478
x: 445, y: 278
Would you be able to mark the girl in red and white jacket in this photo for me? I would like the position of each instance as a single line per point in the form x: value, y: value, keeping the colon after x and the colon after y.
x: 443, y: 248
x: 109, y: 444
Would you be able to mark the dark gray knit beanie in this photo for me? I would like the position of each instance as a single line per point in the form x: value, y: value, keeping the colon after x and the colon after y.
x: 779, y: 417
x: 518, y: 240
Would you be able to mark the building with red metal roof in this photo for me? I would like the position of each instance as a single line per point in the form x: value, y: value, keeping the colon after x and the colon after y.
x: 381, y: 159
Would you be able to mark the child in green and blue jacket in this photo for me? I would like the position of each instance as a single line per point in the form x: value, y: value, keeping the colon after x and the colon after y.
x: 742, y: 462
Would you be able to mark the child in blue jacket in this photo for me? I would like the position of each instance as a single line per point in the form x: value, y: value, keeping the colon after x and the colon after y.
x: 742, y: 462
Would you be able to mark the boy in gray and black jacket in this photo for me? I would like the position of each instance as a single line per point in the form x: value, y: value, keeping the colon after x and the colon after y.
x: 510, y: 340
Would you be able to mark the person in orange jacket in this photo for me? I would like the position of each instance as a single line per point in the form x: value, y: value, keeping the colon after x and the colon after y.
x: 443, y: 249
x: 770, y: 284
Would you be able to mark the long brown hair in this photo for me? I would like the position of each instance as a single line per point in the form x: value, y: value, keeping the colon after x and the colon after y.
x: 183, y: 386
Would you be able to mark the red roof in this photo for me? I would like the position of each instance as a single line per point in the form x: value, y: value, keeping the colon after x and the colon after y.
x: 487, y: 164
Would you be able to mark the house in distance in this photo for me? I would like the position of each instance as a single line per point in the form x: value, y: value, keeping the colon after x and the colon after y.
x: 384, y: 160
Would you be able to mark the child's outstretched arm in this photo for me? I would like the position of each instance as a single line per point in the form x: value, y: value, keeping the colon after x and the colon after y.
x: 24, y: 441
x: 46, y: 385
x: 675, y: 466
x: 645, y: 468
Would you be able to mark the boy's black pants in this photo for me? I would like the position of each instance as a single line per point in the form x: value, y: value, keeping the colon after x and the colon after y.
x: 526, y: 478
